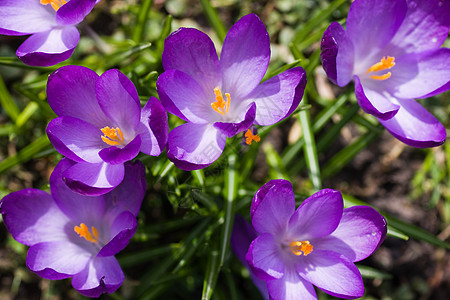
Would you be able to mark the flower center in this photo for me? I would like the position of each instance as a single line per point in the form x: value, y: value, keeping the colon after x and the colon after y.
x: 56, y: 4
x: 83, y: 232
x: 383, y: 64
x: 301, y: 247
x: 220, y: 104
x: 113, y: 137
x: 249, y: 137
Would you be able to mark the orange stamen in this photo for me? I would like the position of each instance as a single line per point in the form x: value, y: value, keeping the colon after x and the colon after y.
x: 299, y: 248
x: 249, y: 137
x: 385, y: 63
x: 56, y: 4
x: 83, y: 232
x: 219, y: 105
x: 112, y: 137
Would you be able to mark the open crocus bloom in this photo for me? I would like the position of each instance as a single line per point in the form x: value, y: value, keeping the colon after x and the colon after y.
x: 101, y: 126
x: 51, y: 24
x: 76, y: 236
x: 220, y: 98
x: 392, y: 51
x: 313, y: 245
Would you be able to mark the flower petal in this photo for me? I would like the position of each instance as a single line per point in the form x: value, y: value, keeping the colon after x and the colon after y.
x: 74, y: 11
x: 241, y: 237
x: 192, y: 52
x: 122, y: 229
x: 266, y: 256
x: 154, y: 128
x: 373, y: 102
x: 195, y: 146
x: 371, y: 24
x: 272, y: 206
x: 415, y: 126
x: 119, y: 100
x: 291, y: 287
x: 231, y: 129
x: 57, y: 259
x: 182, y: 96
x: 245, y: 56
x: 71, y: 92
x: 25, y: 17
x: 337, y: 54
x: 425, y: 27
x: 279, y: 96
x: 101, y: 275
x: 31, y: 216
x: 361, y: 231
x: 76, y: 139
x: 93, y: 179
x: 318, y: 216
x: 50, y: 47
x: 115, y: 155
x: 331, y: 272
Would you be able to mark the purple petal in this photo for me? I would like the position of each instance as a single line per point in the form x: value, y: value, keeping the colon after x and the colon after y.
x: 415, y: 126
x: 245, y: 56
x: 231, y: 129
x: 76, y: 139
x: 31, y: 216
x: 115, y: 155
x: 119, y: 100
x: 318, y: 216
x: 77, y: 207
x: 272, y: 206
x: 360, y: 233
x: 291, y: 287
x: 101, y: 275
x: 74, y: 11
x: 266, y: 256
x: 331, y: 272
x: 425, y: 27
x: 93, y: 179
x: 25, y: 17
x: 57, y: 260
x: 371, y: 24
x: 438, y: 91
x: 192, y: 52
x: 122, y: 229
x: 277, y: 97
x: 50, y: 47
x: 182, y: 96
x: 71, y: 92
x: 431, y: 70
x: 337, y: 54
x: 154, y: 128
x: 373, y: 102
x: 128, y: 195
x: 195, y: 146
x: 241, y: 237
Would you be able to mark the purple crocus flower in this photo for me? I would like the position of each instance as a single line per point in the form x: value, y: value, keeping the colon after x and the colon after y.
x: 51, y: 24
x: 76, y: 236
x: 220, y: 98
x: 101, y: 126
x: 391, y: 49
x: 313, y: 245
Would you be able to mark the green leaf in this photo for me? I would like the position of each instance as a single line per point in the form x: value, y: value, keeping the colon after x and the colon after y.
x: 141, y: 23
x: 214, y: 20
x: 7, y: 102
x: 211, y: 274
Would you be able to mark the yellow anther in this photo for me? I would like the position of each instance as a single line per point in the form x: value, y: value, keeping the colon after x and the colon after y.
x: 385, y: 63
x: 112, y: 137
x: 83, y: 232
x: 249, y: 137
x: 220, y: 105
x: 299, y: 248
x: 56, y: 4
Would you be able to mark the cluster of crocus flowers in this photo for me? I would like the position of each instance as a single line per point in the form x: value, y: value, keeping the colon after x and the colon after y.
x: 317, y: 244
x: 392, y: 50
x: 76, y: 236
x: 51, y: 24
x: 221, y: 98
x: 101, y: 126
